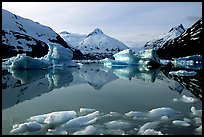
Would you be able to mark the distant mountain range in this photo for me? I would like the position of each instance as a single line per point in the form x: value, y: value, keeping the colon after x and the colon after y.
x: 159, y: 41
x: 20, y: 35
x: 188, y: 43
x: 94, y: 45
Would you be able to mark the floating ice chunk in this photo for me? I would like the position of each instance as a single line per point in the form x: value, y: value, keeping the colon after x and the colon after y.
x: 26, y: 62
x: 53, y: 117
x: 163, y: 111
x: 126, y: 56
x: 183, y: 73
x: 21, y: 128
x: 89, y: 130
x: 26, y: 127
x: 56, y: 132
x: 114, y: 114
x: 199, y: 129
x: 164, y: 118
x: 82, y: 120
x: 187, y: 120
x: 115, y: 132
x: 196, y: 112
x: 197, y: 120
x: 58, y: 118
x: 117, y: 124
x: 136, y: 114
x: 181, y: 123
x: 152, y: 132
x: 149, y: 125
x: 188, y: 99
x: 86, y: 110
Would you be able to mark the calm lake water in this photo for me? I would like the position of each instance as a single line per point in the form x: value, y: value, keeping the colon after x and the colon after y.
x: 113, y: 92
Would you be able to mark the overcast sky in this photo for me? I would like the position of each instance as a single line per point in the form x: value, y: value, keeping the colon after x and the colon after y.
x: 125, y: 21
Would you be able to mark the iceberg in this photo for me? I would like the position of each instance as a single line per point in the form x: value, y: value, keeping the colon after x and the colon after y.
x: 57, y: 56
x: 128, y: 58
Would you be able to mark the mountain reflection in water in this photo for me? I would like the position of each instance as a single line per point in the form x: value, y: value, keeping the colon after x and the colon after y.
x: 22, y: 85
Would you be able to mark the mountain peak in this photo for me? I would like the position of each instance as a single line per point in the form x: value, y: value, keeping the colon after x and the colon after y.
x: 179, y: 28
x: 64, y: 33
x: 96, y: 31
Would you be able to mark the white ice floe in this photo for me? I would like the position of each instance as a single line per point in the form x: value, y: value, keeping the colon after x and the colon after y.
x: 115, y: 132
x: 117, y: 124
x: 25, y: 62
x: 196, y: 112
x: 183, y: 73
x: 89, y: 130
x: 197, y: 120
x: 163, y: 111
x: 57, y: 56
x: 58, y: 118
x: 54, y: 118
x: 186, y: 99
x: 26, y: 127
x: 137, y: 115
x: 152, y: 132
x: 82, y: 120
x: 148, y: 125
x: 86, y: 110
x: 181, y: 123
x: 199, y: 129
x: 187, y: 120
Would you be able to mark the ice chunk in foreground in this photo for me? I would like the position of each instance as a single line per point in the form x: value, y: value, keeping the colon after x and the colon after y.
x: 149, y: 125
x: 89, y: 130
x: 163, y: 111
x: 152, y: 132
x: 82, y: 120
x: 181, y: 123
x: 26, y: 127
x: 86, y: 110
x: 54, y: 118
x: 137, y: 114
x: 58, y: 118
x: 196, y: 112
x: 117, y: 124
x: 199, y: 129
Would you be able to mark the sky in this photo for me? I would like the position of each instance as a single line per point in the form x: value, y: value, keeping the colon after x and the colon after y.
x: 136, y: 22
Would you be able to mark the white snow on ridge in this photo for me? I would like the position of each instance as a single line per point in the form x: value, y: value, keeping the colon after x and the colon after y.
x: 26, y: 26
x: 159, y: 41
x: 73, y: 39
x: 94, y: 42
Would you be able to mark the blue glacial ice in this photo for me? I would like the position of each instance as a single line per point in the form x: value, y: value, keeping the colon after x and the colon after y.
x: 128, y: 58
x: 57, y: 56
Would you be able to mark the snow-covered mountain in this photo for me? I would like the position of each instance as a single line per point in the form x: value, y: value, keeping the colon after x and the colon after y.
x: 162, y: 39
x: 187, y: 44
x: 95, y: 45
x: 21, y: 35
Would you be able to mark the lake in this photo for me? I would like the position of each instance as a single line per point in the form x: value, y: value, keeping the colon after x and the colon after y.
x: 117, y: 100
